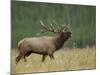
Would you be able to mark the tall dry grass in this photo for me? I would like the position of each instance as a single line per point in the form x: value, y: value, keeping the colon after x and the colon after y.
x: 65, y: 60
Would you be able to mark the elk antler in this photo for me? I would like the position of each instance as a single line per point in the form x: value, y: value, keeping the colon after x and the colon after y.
x: 62, y: 28
x: 65, y: 28
x: 51, y: 29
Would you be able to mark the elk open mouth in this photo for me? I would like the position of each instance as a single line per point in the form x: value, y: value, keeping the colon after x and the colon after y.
x: 71, y: 34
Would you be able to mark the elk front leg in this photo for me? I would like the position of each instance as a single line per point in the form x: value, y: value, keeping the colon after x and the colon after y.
x: 51, y: 54
x: 43, y: 57
x: 26, y: 55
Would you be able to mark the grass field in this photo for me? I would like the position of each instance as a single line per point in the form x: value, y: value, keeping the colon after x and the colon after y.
x: 65, y: 60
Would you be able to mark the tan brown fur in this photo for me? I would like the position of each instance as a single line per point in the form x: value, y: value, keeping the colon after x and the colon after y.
x: 41, y: 45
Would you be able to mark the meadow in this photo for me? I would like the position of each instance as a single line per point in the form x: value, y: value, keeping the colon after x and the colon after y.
x: 65, y: 60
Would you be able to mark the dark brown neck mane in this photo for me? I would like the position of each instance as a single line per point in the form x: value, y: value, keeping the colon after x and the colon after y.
x: 59, y: 42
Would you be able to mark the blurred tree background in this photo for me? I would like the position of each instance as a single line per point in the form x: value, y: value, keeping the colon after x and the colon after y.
x: 26, y: 16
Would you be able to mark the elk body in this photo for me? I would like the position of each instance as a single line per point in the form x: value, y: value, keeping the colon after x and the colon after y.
x: 44, y: 45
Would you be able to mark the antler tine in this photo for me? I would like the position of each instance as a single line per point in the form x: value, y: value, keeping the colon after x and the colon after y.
x: 47, y: 28
x: 42, y: 26
x: 52, y: 26
x: 42, y: 23
x: 58, y: 27
x: 62, y: 27
x: 67, y: 28
x: 55, y: 22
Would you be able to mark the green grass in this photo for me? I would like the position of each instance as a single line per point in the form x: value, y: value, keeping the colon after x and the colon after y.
x: 65, y: 60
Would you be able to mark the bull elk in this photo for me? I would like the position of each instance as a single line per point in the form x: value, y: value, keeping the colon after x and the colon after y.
x: 45, y: 45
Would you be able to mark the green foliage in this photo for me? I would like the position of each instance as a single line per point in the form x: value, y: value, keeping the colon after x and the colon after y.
x: 26, y: 18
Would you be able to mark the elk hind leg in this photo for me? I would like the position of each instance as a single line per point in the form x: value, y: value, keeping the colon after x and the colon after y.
x: 21, y: 55
x: 18, y: 58
x: 26, y: 55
